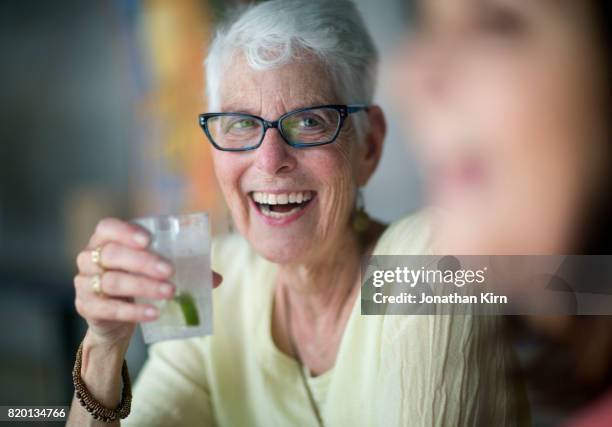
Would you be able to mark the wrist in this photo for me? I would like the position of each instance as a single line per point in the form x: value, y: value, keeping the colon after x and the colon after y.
x: 99, y: 389
x: 117, y: 346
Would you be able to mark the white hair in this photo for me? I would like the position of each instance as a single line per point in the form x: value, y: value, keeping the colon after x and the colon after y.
x: 275, y: 32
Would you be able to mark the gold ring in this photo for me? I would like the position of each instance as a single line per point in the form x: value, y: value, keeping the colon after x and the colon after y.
x: 96, y: 285
x: 96, y: 257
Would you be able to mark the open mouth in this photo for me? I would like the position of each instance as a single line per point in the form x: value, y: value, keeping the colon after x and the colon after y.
x: 281, y: 205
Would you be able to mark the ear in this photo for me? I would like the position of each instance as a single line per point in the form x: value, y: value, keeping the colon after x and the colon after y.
x: 372, y: 145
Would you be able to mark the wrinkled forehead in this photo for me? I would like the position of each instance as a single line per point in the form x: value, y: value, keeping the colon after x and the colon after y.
x: 302, y: 82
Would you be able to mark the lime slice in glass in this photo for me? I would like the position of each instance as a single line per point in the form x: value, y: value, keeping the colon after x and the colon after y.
x: 188, y: 308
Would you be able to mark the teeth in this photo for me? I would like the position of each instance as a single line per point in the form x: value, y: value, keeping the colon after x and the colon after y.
x: 281, y: 199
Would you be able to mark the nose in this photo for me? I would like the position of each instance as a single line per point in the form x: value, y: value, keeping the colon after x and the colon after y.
x: 274, y: 155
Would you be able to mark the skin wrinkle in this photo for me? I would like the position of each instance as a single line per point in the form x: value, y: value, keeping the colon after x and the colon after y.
x: 318, y: 255
x: 357, y: 130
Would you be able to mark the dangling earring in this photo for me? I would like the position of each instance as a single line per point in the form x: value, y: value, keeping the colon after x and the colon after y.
x: 230, y: 221
x: 361, y: 220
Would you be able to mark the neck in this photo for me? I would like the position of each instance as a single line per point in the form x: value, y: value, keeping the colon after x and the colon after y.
x: 316, y: 298
x: 321, y: 287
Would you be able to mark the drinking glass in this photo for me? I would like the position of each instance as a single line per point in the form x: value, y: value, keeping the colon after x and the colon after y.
x: 184, y: 240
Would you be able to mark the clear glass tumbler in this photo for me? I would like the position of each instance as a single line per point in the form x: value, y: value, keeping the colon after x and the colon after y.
x: 184, y: 240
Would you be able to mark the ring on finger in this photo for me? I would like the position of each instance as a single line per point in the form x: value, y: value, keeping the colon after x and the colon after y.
x: 96, y: 285
x: 96, y: 257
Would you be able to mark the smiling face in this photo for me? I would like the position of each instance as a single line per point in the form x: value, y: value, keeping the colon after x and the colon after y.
x: 505, y: 100
x: 292, y: 204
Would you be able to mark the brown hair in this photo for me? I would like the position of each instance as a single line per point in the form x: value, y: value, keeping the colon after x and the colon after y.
x: 573, y: 366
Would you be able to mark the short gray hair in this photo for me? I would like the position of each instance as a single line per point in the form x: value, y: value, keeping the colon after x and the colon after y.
x: 273, y: 33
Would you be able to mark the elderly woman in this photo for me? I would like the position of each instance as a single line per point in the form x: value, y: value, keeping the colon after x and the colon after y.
x: 295, y: 138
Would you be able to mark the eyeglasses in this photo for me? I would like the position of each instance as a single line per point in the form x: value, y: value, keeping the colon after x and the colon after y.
x: 306, y: 127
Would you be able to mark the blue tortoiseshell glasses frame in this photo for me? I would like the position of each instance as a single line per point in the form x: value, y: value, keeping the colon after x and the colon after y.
x: 342, y: 110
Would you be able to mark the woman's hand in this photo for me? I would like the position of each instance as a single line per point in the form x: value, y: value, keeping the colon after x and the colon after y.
x: 129, y: 270
x: 126, y: 269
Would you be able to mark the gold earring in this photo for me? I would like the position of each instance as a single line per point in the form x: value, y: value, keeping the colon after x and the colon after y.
x: 230, y: 221
x: 361, y: 220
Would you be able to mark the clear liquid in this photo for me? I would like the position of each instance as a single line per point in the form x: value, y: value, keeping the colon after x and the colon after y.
x: 190, y: 299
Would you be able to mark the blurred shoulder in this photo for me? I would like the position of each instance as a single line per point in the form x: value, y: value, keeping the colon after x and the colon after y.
x: 410, y: 235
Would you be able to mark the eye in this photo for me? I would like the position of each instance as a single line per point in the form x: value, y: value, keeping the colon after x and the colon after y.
x: 498, y: 21
x: 308, y: 122
x: 243, y: 124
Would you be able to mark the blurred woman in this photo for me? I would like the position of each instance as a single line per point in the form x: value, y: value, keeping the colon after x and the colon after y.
x: 510, y: 104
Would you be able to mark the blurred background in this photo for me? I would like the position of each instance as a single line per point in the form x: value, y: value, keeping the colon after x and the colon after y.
x: 99, y: 105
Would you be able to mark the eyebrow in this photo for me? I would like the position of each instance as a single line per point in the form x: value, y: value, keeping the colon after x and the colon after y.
x: 535, y: 5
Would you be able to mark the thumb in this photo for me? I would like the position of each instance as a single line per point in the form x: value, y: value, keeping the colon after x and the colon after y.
x: 217, y: 279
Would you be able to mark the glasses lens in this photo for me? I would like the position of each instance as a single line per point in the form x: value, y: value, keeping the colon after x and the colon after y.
x: 314, y: 126
x: 235, y: 131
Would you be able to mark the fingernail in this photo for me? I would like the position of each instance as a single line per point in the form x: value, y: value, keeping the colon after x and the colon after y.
x: 163, y: 268
x: 165, y: 289
x: 141, y: 239
x: 150, y: 312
